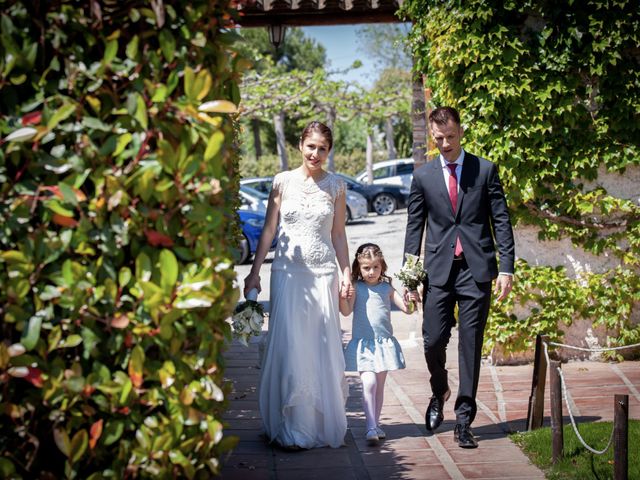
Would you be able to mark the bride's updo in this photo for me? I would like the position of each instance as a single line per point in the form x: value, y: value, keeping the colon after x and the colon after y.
x: 319, y: 128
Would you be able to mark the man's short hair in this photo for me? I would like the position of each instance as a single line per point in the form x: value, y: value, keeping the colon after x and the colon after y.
x: 442, y: 115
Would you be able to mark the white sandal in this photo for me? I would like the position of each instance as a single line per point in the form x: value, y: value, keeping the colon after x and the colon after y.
x: 372, y: 436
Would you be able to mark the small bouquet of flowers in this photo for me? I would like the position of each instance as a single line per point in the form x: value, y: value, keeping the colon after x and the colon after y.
x: 247, y: 318
x: 411, y: 274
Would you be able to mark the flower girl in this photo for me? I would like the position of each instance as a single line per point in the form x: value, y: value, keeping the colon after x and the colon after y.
x: 373, y: 350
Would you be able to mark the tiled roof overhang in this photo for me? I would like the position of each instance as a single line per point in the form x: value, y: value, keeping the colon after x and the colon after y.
x: 263, y: 13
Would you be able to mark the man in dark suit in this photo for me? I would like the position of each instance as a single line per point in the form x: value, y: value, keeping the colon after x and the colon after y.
x: 460, y: 199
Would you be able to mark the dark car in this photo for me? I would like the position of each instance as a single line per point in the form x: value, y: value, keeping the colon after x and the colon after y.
x: 381, y: 198
x: 252, y: 224
x: 357, y: 207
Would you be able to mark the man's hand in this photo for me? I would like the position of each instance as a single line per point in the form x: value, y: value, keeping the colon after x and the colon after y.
x: 504, y: 284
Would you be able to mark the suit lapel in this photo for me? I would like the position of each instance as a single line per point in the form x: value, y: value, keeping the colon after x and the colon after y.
x: 469, y: 174
x: 440, y: 186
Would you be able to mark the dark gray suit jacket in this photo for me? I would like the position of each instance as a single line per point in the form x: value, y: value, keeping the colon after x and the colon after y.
x: 481, y: 217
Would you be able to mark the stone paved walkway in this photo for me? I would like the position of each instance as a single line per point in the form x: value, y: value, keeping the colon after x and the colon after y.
x: 410, y: 452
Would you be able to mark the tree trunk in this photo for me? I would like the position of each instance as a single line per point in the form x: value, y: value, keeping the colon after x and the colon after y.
x: 278, y: 125
x: 369, y: 157
x: 389, y: 137
x: 419, y: 120
x: 257, y: 146
x: 331, y: 120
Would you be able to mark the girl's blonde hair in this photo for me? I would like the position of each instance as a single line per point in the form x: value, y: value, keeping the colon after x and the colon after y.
x: 370, y: 251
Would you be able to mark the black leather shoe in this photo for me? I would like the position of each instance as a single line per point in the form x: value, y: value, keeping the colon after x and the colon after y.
x: 435, y: 415
x: 464, y: 436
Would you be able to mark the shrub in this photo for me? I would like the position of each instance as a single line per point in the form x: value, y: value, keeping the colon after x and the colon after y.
x: 118, y: 221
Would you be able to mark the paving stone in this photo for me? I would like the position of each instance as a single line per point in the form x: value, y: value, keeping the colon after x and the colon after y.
x: 408, y: 472
x: 410, y: 452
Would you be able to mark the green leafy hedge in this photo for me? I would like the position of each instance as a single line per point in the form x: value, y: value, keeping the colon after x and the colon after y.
x: 550, y: 92
x: 117, y: 229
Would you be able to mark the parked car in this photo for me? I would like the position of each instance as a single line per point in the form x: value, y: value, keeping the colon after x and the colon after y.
x: 262, y: 184
x: 252, y: 223
x: 381, y: 198
x: 252, y: 199
x: 357, y: 207
x: 395, y: 172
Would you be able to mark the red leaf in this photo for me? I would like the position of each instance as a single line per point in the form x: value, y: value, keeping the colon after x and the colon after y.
x: 53, y: 189
x: 31, y: 118
x: 80, y: 196
x: 87, y: 390
x: 156, y: 239
x: 35, y: 377
x: 136, y: 379
x: 94, y: 433
x: 124, y: 410
x: 64, y: 221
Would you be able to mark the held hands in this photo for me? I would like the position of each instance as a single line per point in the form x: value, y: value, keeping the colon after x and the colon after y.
x: 346, y: 289
x: 504, y: 284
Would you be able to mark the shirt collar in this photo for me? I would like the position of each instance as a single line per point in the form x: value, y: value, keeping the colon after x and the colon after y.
x: 458, y: 161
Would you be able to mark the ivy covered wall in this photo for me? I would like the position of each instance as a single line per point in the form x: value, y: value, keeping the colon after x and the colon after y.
x: 117, y: 225
x: 551, y: 93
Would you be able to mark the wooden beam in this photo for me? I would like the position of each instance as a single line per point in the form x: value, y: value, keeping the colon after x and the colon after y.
x: 319, y: 18
x: 265, y: 4
x: 346, y: 4
x: 319, y: 4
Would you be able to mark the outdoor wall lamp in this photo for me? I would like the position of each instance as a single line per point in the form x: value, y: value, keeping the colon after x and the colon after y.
x: 276, y: 34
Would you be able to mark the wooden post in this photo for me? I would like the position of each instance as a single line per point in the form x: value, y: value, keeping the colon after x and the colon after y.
x: 621, y: 437
x: 555, y: 390
x: 535, y: 414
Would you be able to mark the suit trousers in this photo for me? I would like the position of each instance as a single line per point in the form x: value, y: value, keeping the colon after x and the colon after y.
x: 473, y: 300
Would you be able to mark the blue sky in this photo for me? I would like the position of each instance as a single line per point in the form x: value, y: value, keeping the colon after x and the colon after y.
x: 343, y: 48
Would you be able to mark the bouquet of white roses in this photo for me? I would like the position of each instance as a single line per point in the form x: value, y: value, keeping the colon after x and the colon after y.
x: 411, y: 274
x: 247, y: 318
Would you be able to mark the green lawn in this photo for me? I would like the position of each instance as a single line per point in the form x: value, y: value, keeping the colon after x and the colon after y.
x: 578, y: 462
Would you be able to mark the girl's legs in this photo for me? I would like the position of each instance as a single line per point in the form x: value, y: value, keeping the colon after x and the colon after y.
x: 381, y: 377
x: 369, y: 390
x: 372, y: 396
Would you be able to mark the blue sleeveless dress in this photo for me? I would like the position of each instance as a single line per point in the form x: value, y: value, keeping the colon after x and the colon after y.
x: 373, y: 348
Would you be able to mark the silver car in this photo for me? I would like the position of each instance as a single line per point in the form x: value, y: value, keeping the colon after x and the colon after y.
x: 356, y: 203
x: 393, y: 172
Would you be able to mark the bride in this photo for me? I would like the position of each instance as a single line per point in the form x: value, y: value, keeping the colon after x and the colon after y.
x: 302, y: 389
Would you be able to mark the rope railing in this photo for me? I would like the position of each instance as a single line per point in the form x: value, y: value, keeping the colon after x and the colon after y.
x: 573, y: 421
x: 566, y: 398
x: 594, y: 350
x: 559, y: 389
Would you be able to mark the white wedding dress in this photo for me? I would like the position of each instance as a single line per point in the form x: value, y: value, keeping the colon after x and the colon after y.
x: 302, y: 388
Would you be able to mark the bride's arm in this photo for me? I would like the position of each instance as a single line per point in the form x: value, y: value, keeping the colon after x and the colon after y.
x: 266, y: 238
x: 339, y: 240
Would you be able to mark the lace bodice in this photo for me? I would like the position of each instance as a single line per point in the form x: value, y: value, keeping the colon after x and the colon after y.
x: 306, y: 218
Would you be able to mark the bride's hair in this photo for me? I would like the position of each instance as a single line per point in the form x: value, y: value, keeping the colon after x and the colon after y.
x: 370, y: 251
x: 320, y: 128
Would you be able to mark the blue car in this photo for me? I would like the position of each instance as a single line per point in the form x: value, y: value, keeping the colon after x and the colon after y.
x: 252, y: 223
